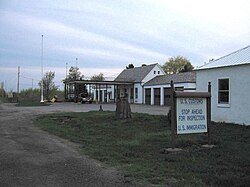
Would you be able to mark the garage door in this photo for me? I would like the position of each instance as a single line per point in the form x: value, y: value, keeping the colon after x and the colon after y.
x: 148, y: 96
x: 167, y: 95
x: 157, y: 96
x: 167, y: 101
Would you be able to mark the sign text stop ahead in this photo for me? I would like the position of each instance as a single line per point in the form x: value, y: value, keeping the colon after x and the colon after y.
x: 191, y: 115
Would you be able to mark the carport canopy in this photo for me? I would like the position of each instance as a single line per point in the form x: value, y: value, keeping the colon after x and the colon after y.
x: 91, y: 82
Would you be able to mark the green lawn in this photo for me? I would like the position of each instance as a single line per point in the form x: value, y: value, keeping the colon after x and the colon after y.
x: 133, y: 146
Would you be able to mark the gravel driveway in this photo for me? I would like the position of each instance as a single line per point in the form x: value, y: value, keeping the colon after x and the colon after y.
x: 32, y: 157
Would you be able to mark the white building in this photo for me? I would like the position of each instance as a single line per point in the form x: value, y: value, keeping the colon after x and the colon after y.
x: 147, y: 84
x: 138, y: 76
x: 230, y: 80
x: 151, y: 85
x: 156, y: 91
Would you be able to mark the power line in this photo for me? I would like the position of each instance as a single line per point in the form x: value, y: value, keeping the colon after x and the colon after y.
x: 29, y: 78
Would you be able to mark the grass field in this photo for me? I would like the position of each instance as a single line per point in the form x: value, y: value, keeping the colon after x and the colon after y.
x: 134, y: 147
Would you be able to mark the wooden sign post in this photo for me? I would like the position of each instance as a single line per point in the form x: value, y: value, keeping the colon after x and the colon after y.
x: 190, y: 113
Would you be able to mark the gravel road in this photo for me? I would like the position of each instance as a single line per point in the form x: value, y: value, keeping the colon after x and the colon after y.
x: 32, y: 157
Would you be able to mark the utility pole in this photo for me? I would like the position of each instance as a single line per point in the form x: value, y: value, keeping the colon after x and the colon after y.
x: 18, y: 78
x: 42, y: 72
x: 6, y: 88
x: 76, y: 62
x: 76, y: 69
x: 66, y: 69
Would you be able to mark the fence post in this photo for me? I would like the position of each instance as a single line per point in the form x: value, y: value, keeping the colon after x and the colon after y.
x: 173, y: 116
x: 209, y: 113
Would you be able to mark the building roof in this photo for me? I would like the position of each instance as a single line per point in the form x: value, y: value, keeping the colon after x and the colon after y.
x: 239, y: 57
x: 136, y: 74
x: 97, y: 82
x: 187, y: 77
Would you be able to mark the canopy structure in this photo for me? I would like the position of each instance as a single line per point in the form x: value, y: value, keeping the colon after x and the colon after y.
x: 102, y: 91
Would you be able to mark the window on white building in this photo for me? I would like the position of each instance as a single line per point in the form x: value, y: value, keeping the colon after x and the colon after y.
x: 223, y: 91
x: 136, y: 93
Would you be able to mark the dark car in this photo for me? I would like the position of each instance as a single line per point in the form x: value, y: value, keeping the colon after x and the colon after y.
x: 84, y: 98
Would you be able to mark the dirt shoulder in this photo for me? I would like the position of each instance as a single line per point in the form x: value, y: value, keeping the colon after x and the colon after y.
x: 31, y: 157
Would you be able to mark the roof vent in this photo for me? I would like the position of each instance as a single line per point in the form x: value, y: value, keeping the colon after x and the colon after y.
x: 143, y: 65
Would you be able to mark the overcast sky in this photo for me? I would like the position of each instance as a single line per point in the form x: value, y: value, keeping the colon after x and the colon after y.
x: 107, y: 35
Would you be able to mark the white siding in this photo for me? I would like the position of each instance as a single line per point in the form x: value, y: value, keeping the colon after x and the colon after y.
x: 238, y: 110
x: 152, y: 75
x: 139, y: 100
x: 191, y: 86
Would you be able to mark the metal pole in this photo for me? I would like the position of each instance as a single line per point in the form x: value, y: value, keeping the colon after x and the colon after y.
x: 76, y: 70
x: 76, y: 62
x: 66, y: 70
x: 18, y: 78
x: 42, y: 72
x: 6, y: 88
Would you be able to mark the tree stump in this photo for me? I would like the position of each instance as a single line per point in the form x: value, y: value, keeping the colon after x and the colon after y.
x: 123, y: 110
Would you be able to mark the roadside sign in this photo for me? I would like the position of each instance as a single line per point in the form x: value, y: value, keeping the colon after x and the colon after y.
x: 190, y: 112
x: 191, y: 115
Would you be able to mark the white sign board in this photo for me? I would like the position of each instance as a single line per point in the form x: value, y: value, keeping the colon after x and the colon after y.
x: 191, y: 115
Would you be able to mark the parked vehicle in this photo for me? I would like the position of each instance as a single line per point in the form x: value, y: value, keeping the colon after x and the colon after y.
x: 84, y: 98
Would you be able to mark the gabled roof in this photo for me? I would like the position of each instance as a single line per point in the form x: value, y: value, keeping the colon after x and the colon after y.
x: 136, y: 74
x: 187, y: 77
x: 239, y: 57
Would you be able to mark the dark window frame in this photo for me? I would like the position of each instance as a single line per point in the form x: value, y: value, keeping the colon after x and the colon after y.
x: 223, y: 91
x: 136, y: 93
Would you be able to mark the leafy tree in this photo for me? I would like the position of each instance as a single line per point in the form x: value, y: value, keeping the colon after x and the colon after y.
x: 49, y: 87
x: 2, y: 91
x: 28, y: 93
x: 130, y: 66
x: 98, y: 77
x: 177, y: 64
x: 75, y: 74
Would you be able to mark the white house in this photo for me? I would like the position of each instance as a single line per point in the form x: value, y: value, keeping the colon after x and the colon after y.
x: 138, y: 76
x: 230, y: 80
